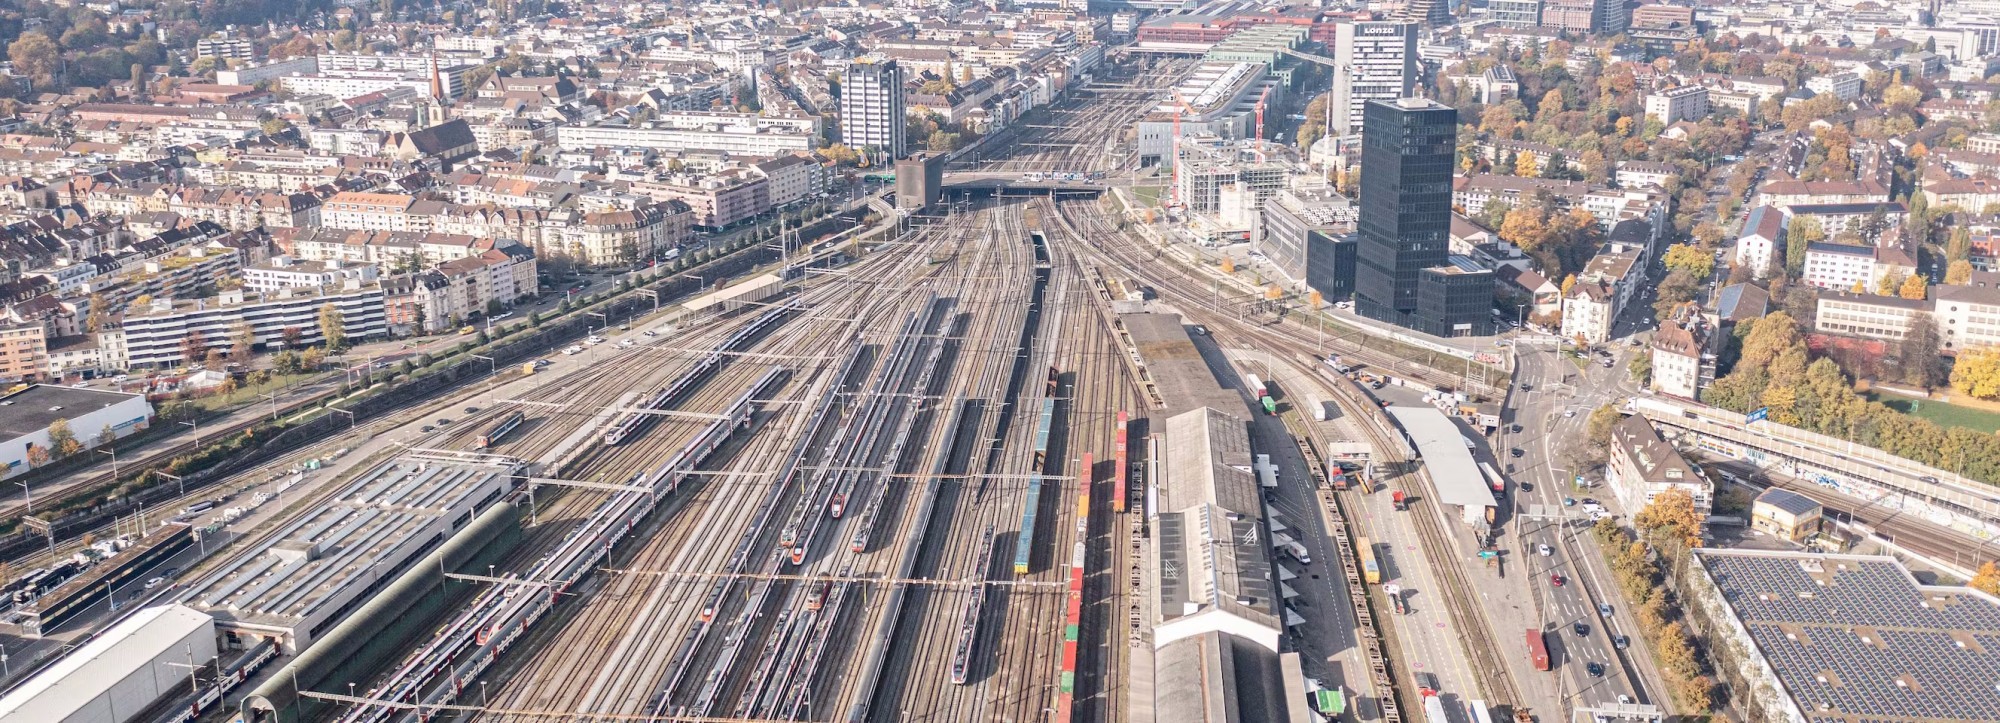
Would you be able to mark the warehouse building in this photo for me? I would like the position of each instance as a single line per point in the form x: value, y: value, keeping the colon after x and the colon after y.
x: 118, y: 674
x: 299, y: 583
x: 25, y: 417
x: 1217, y: 614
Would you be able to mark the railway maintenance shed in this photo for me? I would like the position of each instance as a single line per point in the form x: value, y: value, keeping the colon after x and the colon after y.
x: 120, y: 672
x: 1453, y: 471
x: 298, y: 583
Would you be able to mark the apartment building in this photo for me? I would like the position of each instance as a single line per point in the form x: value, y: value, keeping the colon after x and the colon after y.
x: 1591, y: 308
x: 23, y: 351
x: 792, y: 177
x: 1688, y: 102
x: 163, y: 333
x: 1683, y: 361
x: 1839, y: 266
x: 611, y: 238
x: 286, y: 272
x: 718, y: 200
x: 737, y: 139
x: 872, y: 109
x: 1762, y: 240
x: 367, y: 211
x: 1643, y: 466
x: 1845, y: 86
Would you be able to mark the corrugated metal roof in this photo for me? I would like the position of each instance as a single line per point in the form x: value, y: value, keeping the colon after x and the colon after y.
x: 76, y: 681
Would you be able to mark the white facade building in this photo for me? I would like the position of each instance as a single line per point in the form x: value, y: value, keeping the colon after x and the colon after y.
x: 1374, y: 61
x: 156, y: 336
x: 1688, y: 102
x: 871, y: 109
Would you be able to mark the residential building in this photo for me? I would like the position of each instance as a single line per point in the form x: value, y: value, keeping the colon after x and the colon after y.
x: 1574, y: 16
x: 1408, y: 148
x: 792, y: 177
x: 1656, y: 15
x: 1867, y: 219
x: 1845, y: 86
x: 736, y: 139
x: 1639, y: 174
x: 23, y: 351
x: 1786, y: 515
x: 871, y: 109
x: 1588, y: 311
x: 1839, y: 266
x: 719, y: 199
x: 367, y: 211
x: 1372, y: 61
x: 1643, y: 466
x: 1688, y: 102
x: 283, y: 272
x: 165, y: 332
x: 1498, y: 85
x: 1762, y: 242
x: 612, y: 238
x: 1683, y: 359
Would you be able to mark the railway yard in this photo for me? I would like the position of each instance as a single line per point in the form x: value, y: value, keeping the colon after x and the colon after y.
x: 744, y: 521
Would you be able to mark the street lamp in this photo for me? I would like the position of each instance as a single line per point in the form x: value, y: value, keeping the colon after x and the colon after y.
x: 196, y: 424
x: 29, y: 495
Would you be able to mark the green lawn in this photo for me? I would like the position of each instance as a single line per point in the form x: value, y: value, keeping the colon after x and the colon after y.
x: 1148, y: 195
x: 1950, y: 415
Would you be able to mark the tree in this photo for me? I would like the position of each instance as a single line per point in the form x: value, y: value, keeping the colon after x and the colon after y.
x: 1641, y: 367
x: 1922, y: 352
x: 1977, y: 373
x: 105, y: 436
x: 332, y: 327
x: 1804, y: 230
x: 1671, y: 513
x: 36, y: 56
x: 38, y: 455
x: 1524, y: 165
x: 1696, y: 261
x: 1888, y: 283
x: 312, y: 359
x: 1959, y: 247
x: 1913, y: 288
x: 215, y: 358
x: 1602, y: 420
x: 62, y: 439
x: 1958, y: 272
x: 192, y: 346
x: 1988, y: 579
x: 1678, y: 288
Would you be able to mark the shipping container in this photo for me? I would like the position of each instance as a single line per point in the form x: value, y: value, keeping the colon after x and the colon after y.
x: 1538, y: 649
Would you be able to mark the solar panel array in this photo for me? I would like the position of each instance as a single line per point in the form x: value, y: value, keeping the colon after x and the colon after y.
x: 1867, y: 645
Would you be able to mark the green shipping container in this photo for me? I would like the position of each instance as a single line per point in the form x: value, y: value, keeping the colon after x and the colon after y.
x: 1068, y: 682
x: 1331, y: 702
x: 1069, y: 633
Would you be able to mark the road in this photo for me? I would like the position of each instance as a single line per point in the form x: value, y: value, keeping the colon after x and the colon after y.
x: 1551, y: 405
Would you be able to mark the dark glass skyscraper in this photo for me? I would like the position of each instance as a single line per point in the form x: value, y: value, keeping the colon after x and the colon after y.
x: 1407, y: 148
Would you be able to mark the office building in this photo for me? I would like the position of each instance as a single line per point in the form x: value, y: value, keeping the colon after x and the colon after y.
x: 1428, y: 13
x: 1374, y: 61
x: 1407, y: 149
x: 1613, y: 17
x: 1515, y: 13
x: 871, y: 109
x: 1455, y: 299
